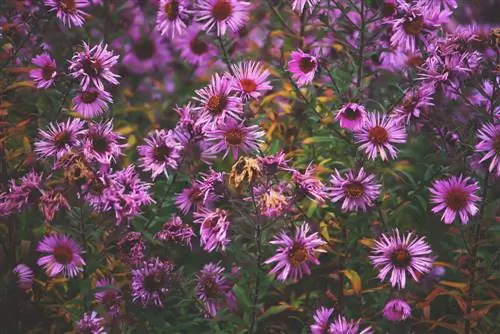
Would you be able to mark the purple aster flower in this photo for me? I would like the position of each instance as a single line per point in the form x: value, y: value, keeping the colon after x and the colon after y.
x: 294, y: 254
x: 213, y: 229
x: 342, y: 325
x: 456, y: 196
x: 160, y: 153
x: 45, y: 74
x: 215, y: 290
x: 212, y: 186
x: 401, y: 255
x: 321, y: 320
x: 397, y: 310
x: 100, y: 143
x: 303, y: 67
x: 109, y: 298
x: 131, y: 248
x: 271, y: 164
x: 309, y: 185
x: 191, y: 198
x: 378, y: 135
x: 23, y: 276
x: 300, y: 4
x: 171, y: 17
x: 351, y: 116
x: 357, y: 190
x: 489, y: 144
x: 26, y: 190
x: 93, y: 65
x: 92, y: 102
x: 234, y: 135
x: 151, y: 282
x: 175, y: 230
x: 64, y: 255
x: 251, y: 79
x: 90, y: 323
x: 69, y: 11
x: 146, y: 54
x: 60, y: 138
x: 415, y: 101
x: 51, y: 202
x: 222, y: 14
x: 194, y: 47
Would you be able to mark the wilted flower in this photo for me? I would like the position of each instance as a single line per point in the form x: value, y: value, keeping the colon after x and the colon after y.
x: 175, y: 230
x: 351, y: 116
x: 64, y: 255
x: 212, y: 186
x: 245, y: 168
x: 132, y: 248
x: 303, y: 67
x: 51, y: 202
x: 397, y: 310
x: 213, y: 229
x: 309, y: 185
x: 23, y: 276
x: 109, y: 298
x: 45, y: 74
x: 90, y: 323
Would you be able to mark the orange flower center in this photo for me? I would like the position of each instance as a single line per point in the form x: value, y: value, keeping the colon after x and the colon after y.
x: 198, y: 47
x: 297, y: 255
x: 401, y: 258
x: 68, y: 6
x: 222, y: 10
x: 89, y: 96
x: 378, y: 135
x: 456, y: 199
x: 172, y: 10
x: 235, y: 137
x: 248, y: 85
x: 354, y: 189
x: 413, y: 25
x: 307, y: 64
x: 61, y: 139
x: 63, y: 254
x: 216, y: 104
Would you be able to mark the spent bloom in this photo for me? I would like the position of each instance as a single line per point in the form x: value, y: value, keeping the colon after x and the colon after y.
x: 489, y: 145
x: 295, y: 254
x: 415, y: 101
x: 214, y: 289
x: 397, y: 310
x: 64, y: 255
x: 357, y: 190
x: 101, y: 143
x: 92, y: 102
x: 309, y: 185
x: 191, y: 198
x: 109, y: 298
x: 251, y: 79
x: 23, y: 276
x: 131, y: 248
x: 212, y: 186
x: 214, y: 226
x: 351, y: 116
x: 69, y: 12
x: 400, y: 255
x: 46, y: 71
x: 303, y: 67
x: 321, y: 320
x: 176, y: 231
x: 151, y: 281
x: 220, y: 15
x: 90, y: 323
x: 171, y: 17
x: 455, y: 196
x: 51, y: 202
x: 59, y: 138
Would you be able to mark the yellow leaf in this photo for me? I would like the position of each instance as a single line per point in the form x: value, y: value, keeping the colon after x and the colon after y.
x: 21, y: 84
x: 323, y: 231
x: 126, y: 130
x: 355, y: 280
x: 457, y: 285
x: 368, y: 242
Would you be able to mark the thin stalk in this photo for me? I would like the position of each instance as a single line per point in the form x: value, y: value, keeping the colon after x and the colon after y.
x: 258, y: 264
x: 83, y: 236
x: 225, y: 56
x: 361, y: 46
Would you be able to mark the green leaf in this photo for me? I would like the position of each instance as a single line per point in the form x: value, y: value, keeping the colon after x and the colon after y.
x: 273, y: 310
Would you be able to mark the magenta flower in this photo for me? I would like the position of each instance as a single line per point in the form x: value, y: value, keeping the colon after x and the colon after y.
x: 294, y: 254
x: 64, y: 256
x: 147, y: 53
x: 23, y: 276
x: 176, y: 231
x: 220, y: 15
x: 300, y: 4
x: 414, y: 103
x: 351, y: 116
x: 90, y: 323
x: 131, y: 248
x: 214, y: 226
x: 456, y: 196
x: 358, y: 191
x: 489, y: 144
x: 194, y: 47
x: 273, y: 201
x: 212, y: 186
x: 100, y: 143
x: 215, y: 290
x: 378, y: 135
x: 342, y: 325
x: 69, y: 12
x: 92, y: 102
x: 110, y: 298
x: 191, y: 198
x: 59, y: 139
x: 151, y: 281
x: 397, y: 310
x: 303, y: 67
x: 309, y: 185
x: 171, y: 17
x: 251, y: 79
x: 24, y: 192
x: 45, y: 73
x: 321, y: 320
x: 271, y: 164
x: 401, y: 255
x: 51, y: 202
x: 93, y: 65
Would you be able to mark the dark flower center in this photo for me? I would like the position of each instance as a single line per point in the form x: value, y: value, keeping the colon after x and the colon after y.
x: 68, y: 6
x: 89, y: 96
x: 63, y: 254
x: 351, y: 114
x: 47, y: 72
x: 354, y: 189
x: 155, y: 281
x: 91, y: 67
x: 235, y: 137
x: 271, y: 168
x: 62, y: 138
x: 216, y: 104
x: 297, y: 255
x: 413, y: 25
x: 161, y: 153
x: 210, y: 223
x: 307, y: 64
x: 222, y: 10
x: 409, y: 104
x: 198, y: 47
x: 172, y: 10
x: 415, y: 61
x: 378, y: 135
x: 210, y: 288
x: 496, y: 144
x: 109, y: 299
x: 401, y: 258
x: 100, y: 144
x: 145, y: 49
x: 456, y: 199
x: 195, y: 196
x: 248, y: 85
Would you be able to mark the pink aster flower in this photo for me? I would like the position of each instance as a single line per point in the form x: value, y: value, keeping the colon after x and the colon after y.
x: 234, y: 135
x: 351, y: 116
x: 378, y: 135
x: 400, y: 256
x: 63, y: 255
x: 456, y: 196
x: 23, y: 276
x: 271, y: 164
x: 151, y: 281
x: 59, y: 139
x: 251, y: 79
x: 191, y: 198
x: 212, y: 186
x: 222, y: 14
x: 415, y: 101
x: 171, y: 17
x: 303, y: 67
x: 214, y: 289
x: 300, y: 4
x: 294, y: 254
x: 69, y: 12
x: 176, y: 231
x: 214, y: 226
x: 397, y: 310
x: 110, y: 298
x: 309, y: 185
x: 160, y: 153
x: 131, y: 248
x: 92, y: 102
x: 90, y: 323
x: 93, y: 65
x: 489, y: 145
x: 23, y: 192
x: 357, y: 190
x: 321, y: 320
x: 46, y: 71
x: 101, y: 143
x: 146, y: 53
x: 194, y: 46
x: 342, y: 325
x: 51, y: 202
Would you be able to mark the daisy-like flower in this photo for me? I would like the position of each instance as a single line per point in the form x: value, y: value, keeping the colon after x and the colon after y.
x: 100, y: 143
x: 357, y: 190
x: 160, y: 153
x: 147, y: 53
x: 92, y: 102
x: 69, y: 11
x: 456, y: 196
x: 251, y: 79
x: 234, y: 135
x: 23, y: 276
x: 93, y: 65
x: 397, y: 310
x: 215, y: 290
x: 400, y: 256
x: 303, y: 67
x: 213, y: 229
x: 194, y: 47
x: 191, y: 198
x: 151, y: 282
x: 309, y: 185
x: 351, y: 116
x: 271, y: 164
x: 222, y: 14
x: 378, y: 135
x: 171, y: 17
x: 415, y: 101
x: 212, y: 186
x: 321, y: 320
x: 110, y: 298
x: 218, y: 101
x: 176, y: 231
x: 489, y: 145
x: 59, y: 138
x: 342, y: 325
x: 90, y: 323
x: 25, y: 191
x: 64, y: 256
x: 131, y: 248
x: 46, y: 71
x: 294, y: 254
x: 300, y: 4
